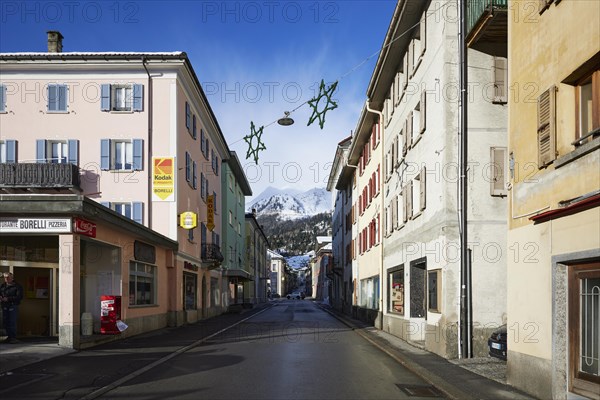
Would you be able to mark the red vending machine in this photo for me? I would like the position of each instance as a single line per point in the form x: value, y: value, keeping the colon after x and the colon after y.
x: 110, y: 313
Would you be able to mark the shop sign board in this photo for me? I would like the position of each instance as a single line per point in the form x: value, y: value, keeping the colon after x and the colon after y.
x: 210, y: 212
x: 84, y: 227
x: 163, y: 179
x: 188, y: 220
x: 34, y: 225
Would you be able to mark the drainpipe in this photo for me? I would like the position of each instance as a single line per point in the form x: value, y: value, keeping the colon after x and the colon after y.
x: 149, y: 157
x: 382, y: 192
x: 465, y: 319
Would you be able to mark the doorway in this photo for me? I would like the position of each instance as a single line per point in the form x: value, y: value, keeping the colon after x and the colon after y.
x: 38, y: 310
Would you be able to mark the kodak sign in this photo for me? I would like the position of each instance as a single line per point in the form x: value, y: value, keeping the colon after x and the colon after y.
x: 163, y: 179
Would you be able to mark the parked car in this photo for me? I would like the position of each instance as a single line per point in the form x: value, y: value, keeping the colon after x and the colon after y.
x: 497, y: 343
x: 295, y: 296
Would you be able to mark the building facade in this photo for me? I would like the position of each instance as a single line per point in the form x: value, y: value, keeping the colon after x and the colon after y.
x: 135, y: 133
x: 256, y: 246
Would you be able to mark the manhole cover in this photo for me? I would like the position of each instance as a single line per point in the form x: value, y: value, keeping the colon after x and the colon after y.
x: 419, y: 390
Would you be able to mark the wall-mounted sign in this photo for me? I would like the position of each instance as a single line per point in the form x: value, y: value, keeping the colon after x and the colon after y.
x: 188, y: 220
x: 210, y: 212
x: 163, y: 179
x: 84, y: 227
x: 190, y: 266
x: 34, y: 225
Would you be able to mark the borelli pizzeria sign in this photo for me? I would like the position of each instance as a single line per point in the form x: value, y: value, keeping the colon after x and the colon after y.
x: 34, y: 225
x: 163, y: 179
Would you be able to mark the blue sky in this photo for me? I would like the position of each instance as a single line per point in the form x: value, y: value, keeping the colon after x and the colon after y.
x: 255, y: 60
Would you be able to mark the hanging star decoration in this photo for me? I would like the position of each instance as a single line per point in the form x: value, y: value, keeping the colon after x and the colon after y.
x: 329, y: 105
x: 254, y: 134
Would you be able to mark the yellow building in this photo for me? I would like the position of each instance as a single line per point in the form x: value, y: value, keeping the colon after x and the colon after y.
x: 554, y: 215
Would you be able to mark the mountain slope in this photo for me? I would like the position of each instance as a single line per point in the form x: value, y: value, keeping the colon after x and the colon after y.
x: 291, y: 204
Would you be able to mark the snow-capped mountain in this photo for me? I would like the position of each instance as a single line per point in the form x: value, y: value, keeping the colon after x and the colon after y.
x: 290, y: 203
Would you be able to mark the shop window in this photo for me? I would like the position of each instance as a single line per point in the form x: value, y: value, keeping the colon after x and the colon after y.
x: 190, y: 282
x: 142, y: 284
x: 396, y: 290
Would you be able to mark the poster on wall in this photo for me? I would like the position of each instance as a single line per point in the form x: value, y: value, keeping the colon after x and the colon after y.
x: 163, y: 179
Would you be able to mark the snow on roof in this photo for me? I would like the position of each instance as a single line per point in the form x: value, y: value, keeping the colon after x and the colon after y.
x: 323, y: 239
x: 91, y: 53
x: 273, y: 254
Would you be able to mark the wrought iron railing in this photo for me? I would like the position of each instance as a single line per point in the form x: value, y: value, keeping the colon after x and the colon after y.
x: 476, y: 8
x: 39, y: 175
x: 211, y: 252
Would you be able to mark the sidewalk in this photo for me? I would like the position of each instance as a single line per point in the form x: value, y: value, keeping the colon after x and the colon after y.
x: 453, y: 378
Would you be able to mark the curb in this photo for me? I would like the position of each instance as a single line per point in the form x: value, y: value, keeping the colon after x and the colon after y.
x: 448, y: 390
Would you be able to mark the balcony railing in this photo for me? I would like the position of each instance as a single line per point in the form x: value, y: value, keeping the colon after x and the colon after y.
x: 39, y: 175
x: 487, y: 26
x: 211, y: 253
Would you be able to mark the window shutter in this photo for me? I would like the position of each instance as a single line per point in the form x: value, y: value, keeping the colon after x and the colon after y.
x: 194, y: 176
x: 11, y: 151
x: 52, y: 98
x: 138, y: 214
x: 409, y: 129
x: 2, y: 98
x: 138, y: 97
x: 62, y: 97
x: 409, y: 200
x: 423, y: 33
x: 394, y: 222
x: 40, y: 151
x: 404, y: 194
x: 422, y: 188
x: 202, y: 144
x: 207, y: 147
x: 409, y: 54
x: 498, y: 173
x: 138, y: 154
x: 546, y: 127
x: 405, y: 72
x: 105, y: 154
x: 105, y: 97
x: 73, y: 152
x: 422, y: 108
x: 194, y: 127
x: 500, y: 71
x: 187, y: 116
x: 202, y: 186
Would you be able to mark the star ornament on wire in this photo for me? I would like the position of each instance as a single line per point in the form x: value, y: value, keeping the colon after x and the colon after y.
x: 254, y: 134
x: 329, y: 105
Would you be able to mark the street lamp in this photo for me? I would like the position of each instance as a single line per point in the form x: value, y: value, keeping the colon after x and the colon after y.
x: 285, y: 121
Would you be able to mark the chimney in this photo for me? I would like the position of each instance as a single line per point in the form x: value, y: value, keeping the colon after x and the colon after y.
x: 54, y: 42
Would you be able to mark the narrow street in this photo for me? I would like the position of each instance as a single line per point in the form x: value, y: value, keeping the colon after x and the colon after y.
x: 293, y: 350
x: 290, y: 350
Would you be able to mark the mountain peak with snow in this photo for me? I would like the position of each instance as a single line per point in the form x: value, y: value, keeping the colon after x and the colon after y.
x: 291, y: 203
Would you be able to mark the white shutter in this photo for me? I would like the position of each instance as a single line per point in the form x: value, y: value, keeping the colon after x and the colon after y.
x: 500, y: 77
x: 423, y: 33
x: 498, y: 163
x: 409, y: 200
x: 422, y: 189
x: 423, y: 108
x: 409, y: 130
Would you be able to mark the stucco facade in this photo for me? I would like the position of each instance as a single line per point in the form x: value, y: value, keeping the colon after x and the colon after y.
x: 554, y: 214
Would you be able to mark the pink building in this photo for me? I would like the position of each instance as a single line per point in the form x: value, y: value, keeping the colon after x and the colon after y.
x: 135, y: 133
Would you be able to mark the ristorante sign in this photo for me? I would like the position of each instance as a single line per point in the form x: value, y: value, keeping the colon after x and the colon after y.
x: 34, y: 225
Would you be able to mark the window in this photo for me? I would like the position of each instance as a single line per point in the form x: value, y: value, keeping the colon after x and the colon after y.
x: 2, y: 98
x: 188, y: 167
x: 230, y: 218
x: 584, y: 314
x: 396, y: 290
x: 191, y: 235
x: 57, y: 151
x: 8, y: 151
x: 57, y: 98
x: 239, y: 229
x: 122, y: 97
x: 546, y: 131
x: 142, y: 284
x: 498, y: 168
x: 133, y: 210
x: 587, y: 105
x: 419, y: 197
x: 190, y: 281
x: 121, y: 155
x: 202, y: 141
x: 434, y: 290
x: 230, y: 181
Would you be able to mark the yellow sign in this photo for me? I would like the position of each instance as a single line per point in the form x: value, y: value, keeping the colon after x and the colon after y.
x: 188, y: 220
x: 163, y: 178
x: 210, y: 212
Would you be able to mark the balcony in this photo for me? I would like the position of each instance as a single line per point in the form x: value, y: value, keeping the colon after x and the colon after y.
x: 39, y: 176
x: 211, y: 253
x: 487, y: 26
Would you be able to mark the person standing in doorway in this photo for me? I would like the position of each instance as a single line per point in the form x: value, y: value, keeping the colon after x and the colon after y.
x: 11, y: 294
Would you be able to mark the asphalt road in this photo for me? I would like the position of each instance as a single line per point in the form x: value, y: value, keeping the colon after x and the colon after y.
x: 291, y: 349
